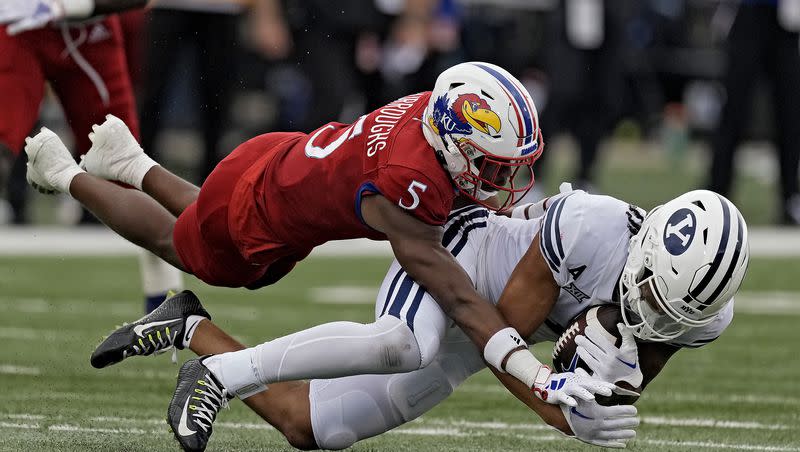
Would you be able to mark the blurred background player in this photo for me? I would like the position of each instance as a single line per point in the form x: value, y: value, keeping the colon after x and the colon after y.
x: 763, y: 41
x: 197, y: 40
x: 83, y: 61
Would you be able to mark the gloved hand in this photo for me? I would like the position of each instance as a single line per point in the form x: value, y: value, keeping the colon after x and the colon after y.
x: 565, y: 387
x: 606, y: 426
x: 608, y: 362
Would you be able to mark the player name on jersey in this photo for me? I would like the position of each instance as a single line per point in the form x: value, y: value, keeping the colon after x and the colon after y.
x: 387, y: 118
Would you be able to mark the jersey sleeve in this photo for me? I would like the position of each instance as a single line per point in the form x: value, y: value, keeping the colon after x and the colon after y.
x: 422, y: 196
x: 559, y: 233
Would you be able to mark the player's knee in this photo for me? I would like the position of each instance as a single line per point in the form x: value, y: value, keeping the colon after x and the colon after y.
x: 428, y: 341
x: 348, y: 410
x: 164, y: 247
x: 414, y: 394
x: 298, y: 434
x: 398, y: 347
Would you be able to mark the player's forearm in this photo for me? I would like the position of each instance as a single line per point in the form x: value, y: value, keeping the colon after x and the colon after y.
x: 433, y: 267
x: 551, y: 414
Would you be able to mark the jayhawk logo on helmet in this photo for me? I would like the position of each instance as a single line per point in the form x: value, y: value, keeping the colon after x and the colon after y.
x: 467, y: 113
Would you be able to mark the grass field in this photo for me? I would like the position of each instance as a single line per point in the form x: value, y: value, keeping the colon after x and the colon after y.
x: 739, y: 393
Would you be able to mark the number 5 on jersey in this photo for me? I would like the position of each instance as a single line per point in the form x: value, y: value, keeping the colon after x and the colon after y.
x: 412, y: 188
x: 320, y: 152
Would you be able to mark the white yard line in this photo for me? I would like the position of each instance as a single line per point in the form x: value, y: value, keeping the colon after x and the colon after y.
x: 651, y: 420
x: 724, y: 446
x: 9, y: 369
x: 344, y: 294
x: 774, y: 302
x: 78, y: 428
x: 434, y: 427
x: 668, y: 396
x: 100, y: 241
x: 17, y: 425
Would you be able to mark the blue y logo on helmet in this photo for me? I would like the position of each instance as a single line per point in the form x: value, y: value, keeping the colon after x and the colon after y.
x: 679, y: 233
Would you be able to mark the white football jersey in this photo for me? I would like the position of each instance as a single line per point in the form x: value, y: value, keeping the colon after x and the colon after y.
x: 584, y: 239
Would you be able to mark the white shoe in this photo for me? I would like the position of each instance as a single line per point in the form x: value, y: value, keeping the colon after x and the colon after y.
x: 115, y: 154
x: 50, y: 164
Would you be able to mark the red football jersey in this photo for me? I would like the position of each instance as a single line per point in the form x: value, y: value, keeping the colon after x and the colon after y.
x: 307, y: 190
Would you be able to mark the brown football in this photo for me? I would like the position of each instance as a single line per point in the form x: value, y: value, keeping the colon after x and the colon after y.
x: 564, y: 350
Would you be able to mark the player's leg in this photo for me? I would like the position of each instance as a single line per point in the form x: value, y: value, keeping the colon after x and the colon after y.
x: 405, y: 336
x: 387, y: 346
x: 284, y: 405
x: 22, y: 84
x: 402, y: 340
x: 350, y: 409
x: 215, y: 80
x: 130, y: 213
x: 334, y: 414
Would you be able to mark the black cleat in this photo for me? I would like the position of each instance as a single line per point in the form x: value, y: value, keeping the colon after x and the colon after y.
x: 154, y: 333
x: 198, y: 398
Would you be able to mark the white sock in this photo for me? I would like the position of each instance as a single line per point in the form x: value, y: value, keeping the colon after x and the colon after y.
x: 191, y: 326
x: 236, y: 372
x: 62, y: 179
x: 134, y: 171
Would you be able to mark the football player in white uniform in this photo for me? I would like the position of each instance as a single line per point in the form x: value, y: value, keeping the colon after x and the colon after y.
x: 673, y: 273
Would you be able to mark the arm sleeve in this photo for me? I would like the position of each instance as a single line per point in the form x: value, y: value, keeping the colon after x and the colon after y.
x: 415, y: 192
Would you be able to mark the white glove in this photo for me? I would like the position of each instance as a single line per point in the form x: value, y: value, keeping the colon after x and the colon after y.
x: 608, y: 362
x: 563, y: 388
x: 24, y: 15
x: 606, y: 426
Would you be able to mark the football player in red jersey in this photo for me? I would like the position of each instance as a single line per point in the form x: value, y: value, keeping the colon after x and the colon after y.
x: 393, y: 174
x: 85, y: 63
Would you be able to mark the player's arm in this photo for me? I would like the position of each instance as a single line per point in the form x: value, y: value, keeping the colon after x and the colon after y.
x: 417, y: 247
x: 606, y: 426
x: 526, y: 301
x: 24, y: 15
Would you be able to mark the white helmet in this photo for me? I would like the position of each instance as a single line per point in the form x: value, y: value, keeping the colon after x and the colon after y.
x: 484, y: 127
x: 684, y: 265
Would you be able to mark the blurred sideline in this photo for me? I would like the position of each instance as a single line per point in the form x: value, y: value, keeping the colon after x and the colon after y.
x: 99, y: 241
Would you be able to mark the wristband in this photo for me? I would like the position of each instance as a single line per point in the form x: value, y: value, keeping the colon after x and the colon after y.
x: 500, y: 345
x: 78, y: 9
x: 523, y: 366
x: 528, y: 211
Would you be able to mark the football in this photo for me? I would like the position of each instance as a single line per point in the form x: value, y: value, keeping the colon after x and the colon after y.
x: 566, y: 359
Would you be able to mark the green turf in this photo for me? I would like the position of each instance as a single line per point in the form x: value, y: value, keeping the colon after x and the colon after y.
x: 54, y: 310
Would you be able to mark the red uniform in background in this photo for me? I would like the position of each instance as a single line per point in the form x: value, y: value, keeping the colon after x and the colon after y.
x: 86, y: 67
x: 279, y: 195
